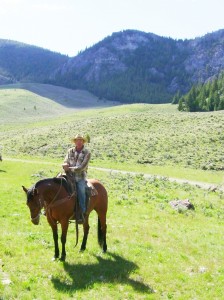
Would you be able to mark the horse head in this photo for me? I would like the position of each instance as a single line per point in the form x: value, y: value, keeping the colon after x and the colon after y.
x: 34, y: 204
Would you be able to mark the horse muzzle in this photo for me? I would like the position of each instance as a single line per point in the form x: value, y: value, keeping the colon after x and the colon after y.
x: 36, y: 220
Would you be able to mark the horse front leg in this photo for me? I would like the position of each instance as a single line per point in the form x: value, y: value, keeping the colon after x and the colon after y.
x: 55, y: 236
x: 64, y: 230
x: 86, y: 232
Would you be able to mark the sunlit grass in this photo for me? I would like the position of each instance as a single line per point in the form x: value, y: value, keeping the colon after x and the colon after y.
x: 154, y: 139
x: 154, y: 251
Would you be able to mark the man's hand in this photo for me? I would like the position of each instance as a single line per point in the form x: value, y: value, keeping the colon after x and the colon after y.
x: 73, y: 169
x: 65, y: 167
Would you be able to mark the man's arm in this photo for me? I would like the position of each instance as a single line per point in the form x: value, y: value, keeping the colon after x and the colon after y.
x: 83, y: 164
x: 65, y: 165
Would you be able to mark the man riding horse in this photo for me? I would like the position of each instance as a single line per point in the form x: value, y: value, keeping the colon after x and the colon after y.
x: 76, y: 165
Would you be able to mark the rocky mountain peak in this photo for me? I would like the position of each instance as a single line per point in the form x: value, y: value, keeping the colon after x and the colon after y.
x: 129, y: 66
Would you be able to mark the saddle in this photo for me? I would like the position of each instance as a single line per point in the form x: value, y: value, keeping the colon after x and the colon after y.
x: 71, y: 187
x: 90, y: 189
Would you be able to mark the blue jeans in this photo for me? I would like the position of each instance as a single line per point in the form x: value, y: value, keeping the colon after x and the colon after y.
x: 81, y: 193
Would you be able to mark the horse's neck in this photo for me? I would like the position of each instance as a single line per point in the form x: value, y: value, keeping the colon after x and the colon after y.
x: 51, y: 193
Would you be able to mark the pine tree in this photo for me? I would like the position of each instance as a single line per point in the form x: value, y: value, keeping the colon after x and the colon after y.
x: 206, y: 97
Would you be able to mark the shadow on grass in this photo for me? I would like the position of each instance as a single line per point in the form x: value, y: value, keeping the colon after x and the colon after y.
x: 3, y: 171
x: 112, y: 269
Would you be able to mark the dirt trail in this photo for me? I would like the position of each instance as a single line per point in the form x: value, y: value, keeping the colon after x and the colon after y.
x: 203, y: 185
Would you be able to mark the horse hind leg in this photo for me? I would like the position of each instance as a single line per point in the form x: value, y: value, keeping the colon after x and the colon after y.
x: 64, y: 228
x: 102, y: 231
x: 86, y: 233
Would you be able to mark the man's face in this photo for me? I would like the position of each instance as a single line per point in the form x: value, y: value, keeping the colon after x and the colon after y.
x: 79, y: 143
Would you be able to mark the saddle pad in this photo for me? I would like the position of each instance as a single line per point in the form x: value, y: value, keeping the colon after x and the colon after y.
x: 93, y: 191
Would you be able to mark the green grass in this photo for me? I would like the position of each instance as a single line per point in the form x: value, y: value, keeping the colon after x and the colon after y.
x: 145, y: 138
x: 18, y: 105
x: 29, y: 102
x: 197, y: 175
x: 154, y: 251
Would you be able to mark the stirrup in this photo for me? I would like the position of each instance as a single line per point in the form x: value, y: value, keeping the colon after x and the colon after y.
x: 81, y: 219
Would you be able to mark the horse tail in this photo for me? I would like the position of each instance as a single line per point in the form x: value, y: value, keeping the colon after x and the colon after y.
x: 100, y: 234
x: 77, y: 232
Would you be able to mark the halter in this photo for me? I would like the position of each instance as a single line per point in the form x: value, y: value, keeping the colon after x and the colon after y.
x: 40, y: 206
x: 52, y: 203
x: 38, y: 215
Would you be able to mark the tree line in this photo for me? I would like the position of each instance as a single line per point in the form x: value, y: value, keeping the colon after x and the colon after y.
x: 202, y: 97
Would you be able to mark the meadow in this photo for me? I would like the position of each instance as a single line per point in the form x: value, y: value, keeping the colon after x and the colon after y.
x: 154, y: 251
x: 156, y: 139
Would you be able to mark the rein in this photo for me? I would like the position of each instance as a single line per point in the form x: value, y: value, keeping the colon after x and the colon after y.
x: 55, y: 197
x: 59, y: 202
x: 55, y: 203
x: 52, y: 204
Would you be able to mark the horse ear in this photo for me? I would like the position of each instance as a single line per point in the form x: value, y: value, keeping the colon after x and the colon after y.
x: 25, y: 189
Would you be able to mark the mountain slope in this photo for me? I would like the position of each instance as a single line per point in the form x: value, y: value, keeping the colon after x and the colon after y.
x: 206, y: 57
x: 129, y: 66
x: 134, y: 66
x: 21, y: 62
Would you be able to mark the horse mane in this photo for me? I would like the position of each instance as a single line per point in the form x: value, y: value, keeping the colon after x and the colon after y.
x: 63, y: 181
x: 57, y: 180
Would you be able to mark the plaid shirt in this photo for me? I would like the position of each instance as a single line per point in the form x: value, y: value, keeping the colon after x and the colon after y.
x: 79, y: 160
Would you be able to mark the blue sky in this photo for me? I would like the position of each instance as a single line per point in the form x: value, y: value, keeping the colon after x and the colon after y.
x: 68, y: 26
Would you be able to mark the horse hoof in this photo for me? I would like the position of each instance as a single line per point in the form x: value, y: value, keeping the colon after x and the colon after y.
x: 54, y: 258
x: 62, y: 258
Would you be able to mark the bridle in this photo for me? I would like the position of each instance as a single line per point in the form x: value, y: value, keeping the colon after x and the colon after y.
x: 52, y: 203
x: 39, y: 213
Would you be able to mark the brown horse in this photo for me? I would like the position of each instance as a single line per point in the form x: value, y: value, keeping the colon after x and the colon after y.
x: 53, y: 194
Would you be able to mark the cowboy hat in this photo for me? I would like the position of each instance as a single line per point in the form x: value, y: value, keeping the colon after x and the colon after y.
x: 79, y: 137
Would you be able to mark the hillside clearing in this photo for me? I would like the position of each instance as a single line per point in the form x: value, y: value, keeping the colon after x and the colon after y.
x: 153, y: 139
x: 29, y: 102
x: 154, y: 251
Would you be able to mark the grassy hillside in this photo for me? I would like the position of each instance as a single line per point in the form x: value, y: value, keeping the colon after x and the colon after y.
x: 32, y: 102
x: 154, y: 251
x: 20, y: 105
x: 156, y: 139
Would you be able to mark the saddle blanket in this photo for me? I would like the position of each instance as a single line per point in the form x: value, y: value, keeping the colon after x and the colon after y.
x: 93, y: 191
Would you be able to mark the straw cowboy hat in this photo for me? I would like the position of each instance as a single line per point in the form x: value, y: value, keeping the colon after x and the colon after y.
x: 79, y: 137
